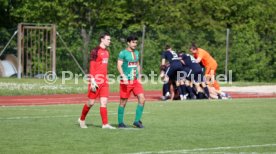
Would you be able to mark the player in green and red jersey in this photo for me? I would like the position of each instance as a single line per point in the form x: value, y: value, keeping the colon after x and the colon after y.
x: 129, y: 69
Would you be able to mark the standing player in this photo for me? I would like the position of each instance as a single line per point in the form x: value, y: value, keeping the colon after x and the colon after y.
x: 208, y: 62
x: 98, y: 86
x: 129, y: 69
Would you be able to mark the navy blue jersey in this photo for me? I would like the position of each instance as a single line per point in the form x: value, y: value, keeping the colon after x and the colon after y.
x: 172, y: 57
x: 190, y: 61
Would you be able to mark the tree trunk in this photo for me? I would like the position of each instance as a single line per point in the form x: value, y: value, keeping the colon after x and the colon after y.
x: 85, y: 50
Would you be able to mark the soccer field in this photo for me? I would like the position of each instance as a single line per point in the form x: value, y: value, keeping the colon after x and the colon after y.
x: 238, y: 125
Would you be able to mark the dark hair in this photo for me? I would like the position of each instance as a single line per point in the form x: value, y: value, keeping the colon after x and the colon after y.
x: 132, y: 38
x: 193, y: 46
x: 167, y: 47
x: 102, y: 35
x: 94, y: 52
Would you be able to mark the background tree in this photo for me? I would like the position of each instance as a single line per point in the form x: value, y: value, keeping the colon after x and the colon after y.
x: 252, y: 25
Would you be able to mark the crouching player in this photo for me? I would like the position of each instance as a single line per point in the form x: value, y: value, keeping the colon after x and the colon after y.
x: 175, y: 69
x: 129, y: 69
x: 197, y: 76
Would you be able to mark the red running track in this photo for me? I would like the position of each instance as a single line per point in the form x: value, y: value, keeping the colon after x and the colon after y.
x: 114, y: 97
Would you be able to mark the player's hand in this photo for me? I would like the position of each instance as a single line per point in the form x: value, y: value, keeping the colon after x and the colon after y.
x: 93, y: 85
x: 139, y: 78
x: 163, y: 67
x: 124, y: 79
x: 162, y: 75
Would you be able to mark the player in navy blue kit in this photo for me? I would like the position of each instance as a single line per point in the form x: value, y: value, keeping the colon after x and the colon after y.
x: 175, y: 68
x: 165, y: 90
x: 197, y: 76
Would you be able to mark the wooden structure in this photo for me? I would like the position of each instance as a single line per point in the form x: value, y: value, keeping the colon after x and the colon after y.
x: 36, y: 49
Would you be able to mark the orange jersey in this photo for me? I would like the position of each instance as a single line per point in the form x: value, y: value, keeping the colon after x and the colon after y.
x: 206, y: 59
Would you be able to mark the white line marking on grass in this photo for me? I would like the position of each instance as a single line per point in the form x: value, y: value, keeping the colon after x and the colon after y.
x: 207, y: 149
x: 61, y: 116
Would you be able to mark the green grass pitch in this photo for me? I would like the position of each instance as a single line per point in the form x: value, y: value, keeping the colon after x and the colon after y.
x: 239, y: 125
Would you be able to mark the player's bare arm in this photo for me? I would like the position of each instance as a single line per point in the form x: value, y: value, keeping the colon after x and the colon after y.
x: 139, y: 70
x: 182, y: 61
x: 163, y: 62
x: 119, y: 67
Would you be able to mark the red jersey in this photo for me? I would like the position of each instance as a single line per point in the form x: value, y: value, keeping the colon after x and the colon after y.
x: 98, y: 66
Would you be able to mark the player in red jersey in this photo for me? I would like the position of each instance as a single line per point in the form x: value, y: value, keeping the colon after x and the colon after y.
x: 98, y: 86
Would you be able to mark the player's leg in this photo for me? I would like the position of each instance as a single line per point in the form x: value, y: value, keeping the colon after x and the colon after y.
x: 166, y: 90
x: 172, y: 90
x: 200, y: 80
x: 164, y: 77
x: 184, y: 88
x: 121, y: 111
x: 210, y: 79
x: 167, y: 74
x: 85, y: 111
x: 189, y: 81
x: 190, y: 89
x: 139, y: 92
x: 103, y: 112
x: 213, y: 92
x: 215, y: 82
x: 124, y: 95
x: 205, y: 88
x: 104, y: 93
x: 179, y: 90
x: 199, y: 91
x: 139, y: 111
x: 208, y: 75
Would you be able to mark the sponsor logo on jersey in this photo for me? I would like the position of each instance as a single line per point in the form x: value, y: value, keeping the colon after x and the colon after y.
x: 132, y: 64
x: 105, y: 60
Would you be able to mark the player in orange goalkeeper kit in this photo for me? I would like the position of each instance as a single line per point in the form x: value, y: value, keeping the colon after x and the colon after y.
x: 98, y: 86
x: 209, y: 63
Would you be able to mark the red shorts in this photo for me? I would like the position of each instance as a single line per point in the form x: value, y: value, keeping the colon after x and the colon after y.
x: 133, y: 86
x: 102, y: 91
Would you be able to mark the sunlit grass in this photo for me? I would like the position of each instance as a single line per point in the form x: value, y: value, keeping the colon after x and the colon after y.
x: 170, y: 127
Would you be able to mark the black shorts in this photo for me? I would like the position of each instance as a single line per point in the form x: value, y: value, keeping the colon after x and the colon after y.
x: 173, y: 70
x: 197, y: 75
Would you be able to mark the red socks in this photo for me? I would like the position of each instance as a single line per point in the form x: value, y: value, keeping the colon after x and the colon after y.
x: 103, y: 111
x: 84, y: 112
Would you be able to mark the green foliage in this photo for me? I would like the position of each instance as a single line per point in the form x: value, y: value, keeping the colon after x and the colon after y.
x: 178, y: 23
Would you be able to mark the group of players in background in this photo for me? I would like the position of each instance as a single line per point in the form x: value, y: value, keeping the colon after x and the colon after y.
x: 184, y: 77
